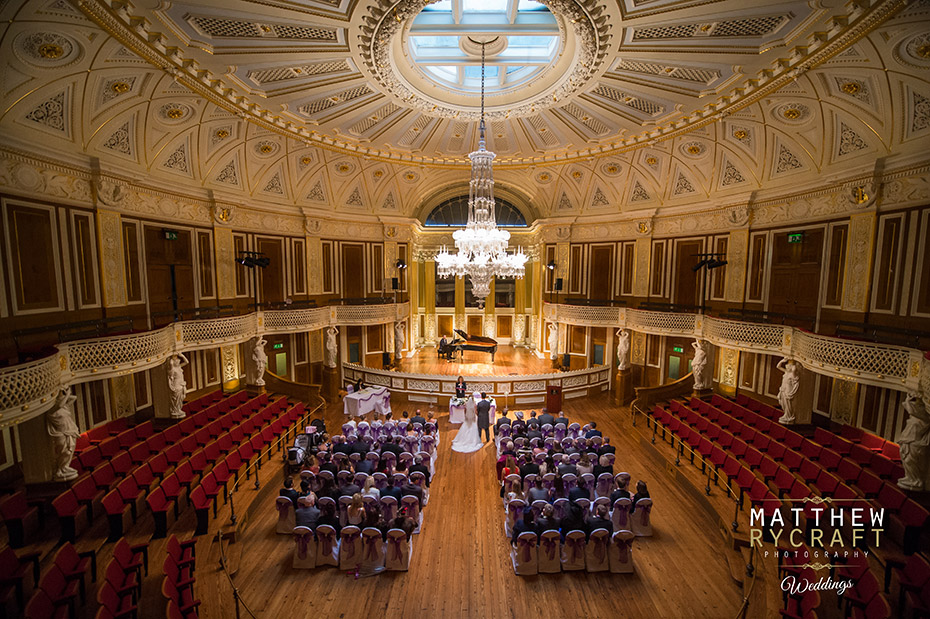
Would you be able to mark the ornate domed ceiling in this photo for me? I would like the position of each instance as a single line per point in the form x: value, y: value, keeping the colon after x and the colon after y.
x: 361, y: 106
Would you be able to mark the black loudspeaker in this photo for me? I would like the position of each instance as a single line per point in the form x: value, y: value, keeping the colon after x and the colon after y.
x: 566, y: 360
x: 385, y: 359
x: 395, y: 284
x: 558, y: 285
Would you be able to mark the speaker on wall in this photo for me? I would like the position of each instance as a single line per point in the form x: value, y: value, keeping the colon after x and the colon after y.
x: 395, y: 284
x: 566, y: 360
x: 386, y: 359
x: 558, y: 285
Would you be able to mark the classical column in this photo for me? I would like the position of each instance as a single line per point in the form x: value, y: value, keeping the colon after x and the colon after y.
x: 429, y: 291
x: 229, y: 366
x: 225, y: 252
x: 458, y: 321
x: 490, y: 319
x: 859, y: 252
x: 112, y: 266
x: 729, y: 371
x: 737, y: 252
x: 518, y: 329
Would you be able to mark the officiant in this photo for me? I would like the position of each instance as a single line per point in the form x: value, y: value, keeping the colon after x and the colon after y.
x: 483, y: 409
x: 460, y: 387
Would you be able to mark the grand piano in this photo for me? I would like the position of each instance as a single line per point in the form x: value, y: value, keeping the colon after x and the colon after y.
x: 473, y: 342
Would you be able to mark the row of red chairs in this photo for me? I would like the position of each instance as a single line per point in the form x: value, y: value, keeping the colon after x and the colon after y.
x: 13, y: 571
x: 204, y: 495
x: 178, y: 583
x: 100, y: 433
x: 121, y: 590
x: 23, y: 517
x: 60, y: 586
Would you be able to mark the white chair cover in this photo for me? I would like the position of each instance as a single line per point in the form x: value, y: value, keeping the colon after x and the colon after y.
x: 350, y: 548
x: 584, y: 504
x: 573, y: 551
x: 550, y: 552
x: 605, y: 485
x: 641, y: 518
x: 621, y: 552
x: 397, y: 557
x: 560, y: 508
x: 523, y: 555
x: 285, y: 508
x: 603, y: 500
x: 412, y: 504
x: 514, y: 512
x: 372, y: 550
x: 587, y: 482
x: 304, y: 548
x: 512, y: 484
x: 388, y: 508
x: 344, y: 502
x: 327, y: 546
x: 620, y: 515
x: 538, y: 507
x: 596, y: 551
x: 381, y: 480
x: 418, y: 479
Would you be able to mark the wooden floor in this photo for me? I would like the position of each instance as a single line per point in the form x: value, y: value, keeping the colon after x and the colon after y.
x: 507, y: 361
x: 461, y: 564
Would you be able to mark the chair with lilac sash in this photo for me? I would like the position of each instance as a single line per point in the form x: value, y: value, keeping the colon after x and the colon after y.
x: 621, y: 479
x: 584, y: 504
x: 587, y: 482
x: 381, y: 480
x: 347, y: 428
x: 642, y: 526
x: 399, y: 479
x: 523, y: 555
x: 605, y: 485
x: 567, y: 443
x: 389, y: 460
x: 548, y: 481
x: 360, y: 479
x: 305, y: 549
x: 512, y: 484
x: 310, y: 477
x: 411, y: 504
x: 354, y: 458
x: 574, y: 458
x: 344, y: 502
x: 503, y: 434
x: 402, y: 427
x: 573, y: 551
x: 549, y: 443
x: 376, y: 428
x: 537, y: 507
x: 418, y: 428
x: 570, y: 480
x: 397, y: 557
x: 539, y: 458
x: 574, y: 430
x: 363, y: 428
x: 620, y: 514
x: 621, y: 552
x: 514, y: 512
x: 285, y: 508
x: 560, y: 509
x: 388, y: 508
x: 610, y: 459
x: 596, y: 551
x: 373, y: 457
x: 372, y: 551
x: 327, y: 546
x: 407, y: 458
x: 535, y: 443
x: 529, y: 480
x: 546, y: 429
x: 372, y: 505
x: 388, y: 429
x: 350, y: 548
x: 549, y: 552
x: 343, y: 477
x: 559, y: 432
x: 412, y: 443
x: 598, y: 441
x: 418, y: 479
x: 519, y: 442
x: 601, y: 500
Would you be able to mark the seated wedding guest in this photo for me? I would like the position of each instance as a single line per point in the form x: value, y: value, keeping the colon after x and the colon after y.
x: 573, y: 520
x: 518, y: 425
x: 373, y: 520
x: 585, y: 465
x: 593, y: 431
x: 390, y: 490
x: 566, y: 467
x: 606, y: 448
x: 329, y: 516
x: 600, y: 520
x: 391, y: 444
x: 341, y: 446
x: 419, y: 467
x: 501, y: 421
x: 532, y: 421
x: 533, y: 431
x: 362, y: 446
x: 430, y: 417
x: 288, y: 490
x: 522, y: 525
x: 603, y: 466
x: 405, y: 417
x: 548, y: 466
x: 304, y: 488
x: 365, y: 466
x: 329, y: 488
x: 370, y: 489
x: 409, y: 489
x: 344, y: 465
x: 546, y: 520
x: 307, y: 514
x: 578, y: 493
x: 619, y: 493
x: 404, y: 523
x: 641, y: 493
x: 545, y: 418
x: 558, y: 490
x: 350, y: 489
x: 510, y: 466
x: 355, y: 513
x: 528, y: 467
x: 418, y: 418
x: 537, y: 492
x: 461, y: 388
x: 562, y: 419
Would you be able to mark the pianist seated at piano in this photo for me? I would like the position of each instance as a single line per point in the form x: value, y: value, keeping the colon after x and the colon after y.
x: 477, y: 343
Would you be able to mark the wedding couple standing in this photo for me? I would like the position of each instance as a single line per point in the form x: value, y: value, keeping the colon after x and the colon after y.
x: 477, y: 419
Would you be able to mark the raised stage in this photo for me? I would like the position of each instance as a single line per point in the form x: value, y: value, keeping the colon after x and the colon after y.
x: 508, y: 361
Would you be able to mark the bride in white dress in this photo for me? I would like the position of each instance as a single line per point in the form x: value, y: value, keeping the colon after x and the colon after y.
x: 468, y: 439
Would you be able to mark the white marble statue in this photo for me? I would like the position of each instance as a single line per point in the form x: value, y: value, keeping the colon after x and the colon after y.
x: 331, y: 347
x: 699, y: 365
x: 623, y: 349
x: 261, y: 361
x: 59, y: 422
x: 553, y: 341
x: 176, y: 384
x: 914, y: 440
x: 789, y: 388
x: 399, y: 339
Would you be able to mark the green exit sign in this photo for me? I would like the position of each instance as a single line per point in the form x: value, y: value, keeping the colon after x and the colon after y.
x: 678, y: 349
x: 171, y: 235
x: 796, y: 237
x: 277, y: 346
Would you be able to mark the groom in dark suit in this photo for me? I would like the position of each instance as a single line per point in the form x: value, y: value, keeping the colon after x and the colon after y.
x: 483, y: 410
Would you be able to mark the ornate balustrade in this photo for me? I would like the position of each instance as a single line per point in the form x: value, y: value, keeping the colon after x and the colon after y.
x: 518, y: 390
x: 892, y: 367
x: 29, y: 389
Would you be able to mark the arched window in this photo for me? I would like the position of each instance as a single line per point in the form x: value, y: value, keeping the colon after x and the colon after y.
x: 454, y: 213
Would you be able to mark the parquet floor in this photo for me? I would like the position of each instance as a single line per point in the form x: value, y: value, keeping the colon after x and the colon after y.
x: 461, y: 563
x: 507, y: 361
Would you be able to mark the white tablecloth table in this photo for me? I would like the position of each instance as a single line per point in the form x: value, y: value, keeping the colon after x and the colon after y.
x: 457, y: 413
x: 369, y: 399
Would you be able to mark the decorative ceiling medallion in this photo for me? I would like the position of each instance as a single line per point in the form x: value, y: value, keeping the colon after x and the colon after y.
x: 916, y: 50
x: 583, y: 20
x: 344, y: 168
x: 47, y: 49
x: 266, y: 148
x: 174, y: 113
x: 693, y: 149
x: 740, y: 134
x: 411, y: 176
x: 850, y: 88
x: 221, y: 134
x: 543, y: 177
x: 652, y: 162
x: 611, y: 168
x: 792, y: 113
x: 305, y: 161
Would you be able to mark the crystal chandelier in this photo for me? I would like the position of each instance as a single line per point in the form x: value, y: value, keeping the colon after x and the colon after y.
x: 482, y: 248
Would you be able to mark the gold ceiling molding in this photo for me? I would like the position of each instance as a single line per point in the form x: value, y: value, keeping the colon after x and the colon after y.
x: 133, y: 31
